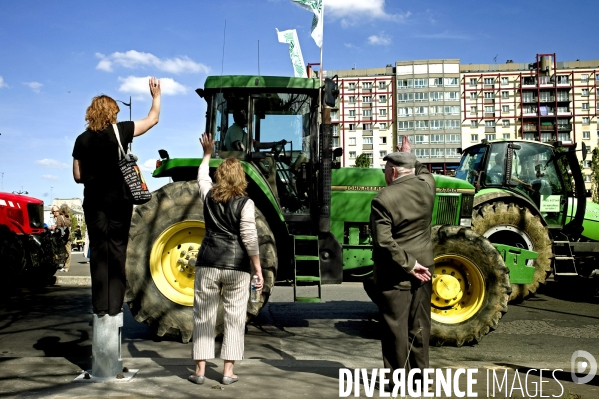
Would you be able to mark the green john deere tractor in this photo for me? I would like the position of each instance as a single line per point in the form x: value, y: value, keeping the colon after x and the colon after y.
x: 527, y: 198
x: 312, y: 216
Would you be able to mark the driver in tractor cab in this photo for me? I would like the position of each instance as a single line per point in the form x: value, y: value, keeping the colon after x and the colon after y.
x: 236, y: 136
x: 496, y: 172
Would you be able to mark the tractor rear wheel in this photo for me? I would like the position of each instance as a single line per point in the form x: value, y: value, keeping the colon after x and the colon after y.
x: 470, y: 286
x: 164, y: 241
x: 513, y: 225
x: 12, y: 254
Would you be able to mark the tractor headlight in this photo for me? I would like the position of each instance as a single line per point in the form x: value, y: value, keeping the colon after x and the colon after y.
x: 466, y: 222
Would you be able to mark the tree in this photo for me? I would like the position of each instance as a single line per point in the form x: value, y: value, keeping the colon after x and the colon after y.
x: 595, y: 175
x: 363, y: 161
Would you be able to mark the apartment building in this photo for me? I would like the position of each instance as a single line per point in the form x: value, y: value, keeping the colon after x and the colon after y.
x: 543, y: 100
x: 428, y: 110
x: 363, y: 119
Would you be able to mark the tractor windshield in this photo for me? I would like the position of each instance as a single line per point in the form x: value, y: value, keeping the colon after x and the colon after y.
x: 536, y: 174
x: 471, y: 163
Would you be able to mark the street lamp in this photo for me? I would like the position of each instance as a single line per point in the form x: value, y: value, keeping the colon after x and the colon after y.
x: 127, y: 105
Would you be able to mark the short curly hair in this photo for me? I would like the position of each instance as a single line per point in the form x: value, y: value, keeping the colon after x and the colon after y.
x: 230, y: 181
x: 101, y: 113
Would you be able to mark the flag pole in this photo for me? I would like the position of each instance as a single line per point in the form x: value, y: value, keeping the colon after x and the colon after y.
x: 322, y: 44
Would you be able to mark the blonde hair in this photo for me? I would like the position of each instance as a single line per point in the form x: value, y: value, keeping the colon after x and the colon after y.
x: 101, y: 113
x: 230, y: 181
x: 64, y: 210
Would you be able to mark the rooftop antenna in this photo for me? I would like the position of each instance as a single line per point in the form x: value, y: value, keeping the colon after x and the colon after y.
x: 495, y: 58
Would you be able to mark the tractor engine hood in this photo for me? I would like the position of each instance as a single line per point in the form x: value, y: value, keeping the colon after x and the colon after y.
x: 590, y: 222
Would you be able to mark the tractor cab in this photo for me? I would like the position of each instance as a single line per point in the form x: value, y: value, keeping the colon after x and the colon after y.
x: 536, y: 172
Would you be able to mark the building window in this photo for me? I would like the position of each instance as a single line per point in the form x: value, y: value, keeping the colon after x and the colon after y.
x: 352, y: 155
x: 436, y: 82
x: 404, y: 111
x: 352, y: 112
x: 506, y: 136
x: 352, y: 126
x: 420, y: 83
x: 334, y: 114
x: 367, y: 126
x: 586, y: 120
x: 490, y: 136
x: 489, y: 81
x: 382, y: 85
x: 382, y: 126
x: 489, y: 109
x: 421, y: 152
x: 420, y: 110
x: 405, y: 83
x: 473, y: 95
x: 472, y: 81
x: 586, y: 164
x: 351, y: 99
x: 489, y: 123
x: 405, y: 97
x: 587, y: 178
x: 473, y: 110
x: 585, y: 92
x: 421, y: 125
x: 586, y: 135
x: 505, y: 94
x: 382, y: 112
x: 382, y: 154
x: 405, y: 125
x: 367, y: 85
x: 452, y: 82
x: 489, y: 94
x: 452, y: 96
x: 421, y: 139
x: 420, y: 97
x: 437, y: 138
x: 437, y: 124
x: 366, y: 140
x: 505, y: 123
x: 473, y: 123
x: 452, y: 124
x: 383, y: 140
x: 366, y: 99
x: 474, y: 138
x: 585, y: 106
x: 382, y: 98
x: 505, y: 108
x: 367, y: 112
x: 451, y: 110
x: 352, y: 86
x: 335, y: 141
x: 504, y: 81
x: 584, y: 78
x: 453, y: 138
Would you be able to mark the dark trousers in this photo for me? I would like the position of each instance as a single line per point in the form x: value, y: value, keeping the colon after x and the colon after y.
x: 108, y: 227
x: 406, y: 319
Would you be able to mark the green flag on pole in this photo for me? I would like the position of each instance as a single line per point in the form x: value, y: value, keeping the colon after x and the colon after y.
x: 295, y: 52
x: 317, y: 22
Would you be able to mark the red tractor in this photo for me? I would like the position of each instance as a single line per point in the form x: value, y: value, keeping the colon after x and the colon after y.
x: 27, y: 250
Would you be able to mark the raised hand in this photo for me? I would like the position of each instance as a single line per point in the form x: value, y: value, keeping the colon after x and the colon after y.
x: 405, y: 146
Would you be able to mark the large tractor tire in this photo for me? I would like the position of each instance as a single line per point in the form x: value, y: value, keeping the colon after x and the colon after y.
x: 513, y: 225
x: 164, y: 241
x: 12, y: 255
x: 470, y: 286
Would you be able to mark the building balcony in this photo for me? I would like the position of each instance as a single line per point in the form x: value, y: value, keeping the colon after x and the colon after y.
x: 366, y: 146
x: 489, y: 101
x: 529, y: 100
x: 547, y: 128
x: 489, y: 114
x: 547, y: 99
x: 489, y: 129
x: 367, y: 132
x: 366, y: 90
x: 564, y: 127
x: 366, y: 118
x: 529, y: 127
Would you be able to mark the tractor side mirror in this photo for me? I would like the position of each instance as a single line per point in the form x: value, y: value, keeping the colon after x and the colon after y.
x: 337, y: 152
x: 585, y: 151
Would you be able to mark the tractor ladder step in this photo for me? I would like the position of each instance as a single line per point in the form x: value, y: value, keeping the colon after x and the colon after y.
x: 306, y: 267
x: 563, y: 261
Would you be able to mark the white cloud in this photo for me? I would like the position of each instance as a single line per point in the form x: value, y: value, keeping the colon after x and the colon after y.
x: 381, y: 40
x: 134, y: 59
x: 354, y: 12
x: 50, y: 177
x: 2, y: 82
x: 35, y: 86
x: 148, y: 166
x: 138, y: 86
x: 51, y: 163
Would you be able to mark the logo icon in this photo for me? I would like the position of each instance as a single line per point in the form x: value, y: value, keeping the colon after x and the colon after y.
x: 589, y: 365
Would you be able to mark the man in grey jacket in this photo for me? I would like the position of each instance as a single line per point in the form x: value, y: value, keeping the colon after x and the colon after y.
x: 403, y: 259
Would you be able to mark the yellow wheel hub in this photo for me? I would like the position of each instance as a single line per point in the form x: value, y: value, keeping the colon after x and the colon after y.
x: 458, y: 289
x: 173, y: 258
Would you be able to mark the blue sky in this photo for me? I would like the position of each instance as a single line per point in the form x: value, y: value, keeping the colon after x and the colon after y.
x: 56, y: 55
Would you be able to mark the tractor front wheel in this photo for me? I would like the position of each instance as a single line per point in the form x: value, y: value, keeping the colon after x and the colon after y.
x: 470, y: 286
x: 164, y: 241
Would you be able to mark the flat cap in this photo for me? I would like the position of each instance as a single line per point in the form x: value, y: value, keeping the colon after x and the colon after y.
x: 403, y: 159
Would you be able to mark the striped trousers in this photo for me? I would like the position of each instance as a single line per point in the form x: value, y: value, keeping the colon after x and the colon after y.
x: 236, y: 290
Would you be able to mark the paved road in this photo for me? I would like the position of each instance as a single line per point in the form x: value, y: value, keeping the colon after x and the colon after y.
x: 302, y: 345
